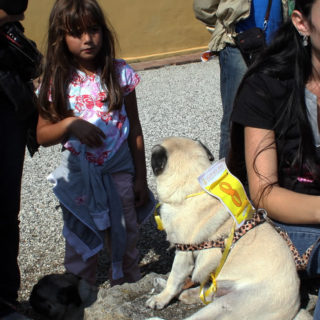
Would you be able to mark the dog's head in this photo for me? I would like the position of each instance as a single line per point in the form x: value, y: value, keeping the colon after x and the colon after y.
x: 177, y: 163
x: 60, y: 296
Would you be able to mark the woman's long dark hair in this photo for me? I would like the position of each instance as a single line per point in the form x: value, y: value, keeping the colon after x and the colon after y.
x: 285, y: 58
x: 68, y: 15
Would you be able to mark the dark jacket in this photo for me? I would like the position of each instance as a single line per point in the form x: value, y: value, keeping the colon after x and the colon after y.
x: 16, y: 88
x: 14, y: 6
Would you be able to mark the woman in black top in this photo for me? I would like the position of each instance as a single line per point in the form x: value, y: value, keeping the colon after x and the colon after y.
x: 275, y: 137
x: 17, y: 116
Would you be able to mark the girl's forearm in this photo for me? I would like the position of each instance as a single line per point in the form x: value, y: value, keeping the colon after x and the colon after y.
x: 135, y: 138
x: 49, y: 134
x: 136, y: 145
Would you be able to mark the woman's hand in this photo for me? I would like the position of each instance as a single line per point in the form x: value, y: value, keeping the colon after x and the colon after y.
x: 5, y: 18
x: 86, y: 132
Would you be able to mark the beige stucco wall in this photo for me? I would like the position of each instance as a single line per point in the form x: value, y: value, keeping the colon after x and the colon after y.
x: 146, y: 29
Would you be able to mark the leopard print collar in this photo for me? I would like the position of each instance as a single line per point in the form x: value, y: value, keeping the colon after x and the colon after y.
x: 257, y: 219
x: 301, y: 261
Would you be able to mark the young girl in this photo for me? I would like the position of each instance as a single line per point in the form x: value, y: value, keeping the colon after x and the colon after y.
x: 275, y: 133
x: 87, y: 102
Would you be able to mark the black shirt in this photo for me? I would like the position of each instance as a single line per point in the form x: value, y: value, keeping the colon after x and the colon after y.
x: 262, y: 103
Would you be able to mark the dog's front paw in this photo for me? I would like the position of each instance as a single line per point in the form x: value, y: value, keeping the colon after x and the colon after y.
x: 157, y: 302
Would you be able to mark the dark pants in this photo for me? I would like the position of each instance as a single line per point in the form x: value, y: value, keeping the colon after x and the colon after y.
x: 12, y: 148
x: 232, y: 70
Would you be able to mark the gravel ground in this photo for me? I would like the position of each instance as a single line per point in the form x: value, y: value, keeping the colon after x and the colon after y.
x: 181, y: 100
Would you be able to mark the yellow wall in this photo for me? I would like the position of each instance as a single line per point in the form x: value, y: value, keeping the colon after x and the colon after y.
x: 146, y: 29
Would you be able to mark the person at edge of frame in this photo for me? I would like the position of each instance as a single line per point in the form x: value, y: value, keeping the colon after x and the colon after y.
x: 224, y: 20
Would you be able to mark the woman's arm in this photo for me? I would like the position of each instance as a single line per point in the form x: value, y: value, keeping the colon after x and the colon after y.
x: 281, y: 204
x: 49, y: 133
x: 136, y: 145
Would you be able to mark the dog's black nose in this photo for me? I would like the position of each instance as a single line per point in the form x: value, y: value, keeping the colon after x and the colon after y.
x: 158, y: 159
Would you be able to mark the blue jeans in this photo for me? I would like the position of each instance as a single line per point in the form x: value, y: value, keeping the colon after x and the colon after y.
x: 303, y: 236
x: 232, y: 69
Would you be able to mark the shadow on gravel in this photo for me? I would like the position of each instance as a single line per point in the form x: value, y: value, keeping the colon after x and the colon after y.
x: 154, y: 251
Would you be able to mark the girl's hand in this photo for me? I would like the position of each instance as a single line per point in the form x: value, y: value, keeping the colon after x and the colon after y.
x: 86, y: 132
x: 49, y: 133
x: 141, y: 192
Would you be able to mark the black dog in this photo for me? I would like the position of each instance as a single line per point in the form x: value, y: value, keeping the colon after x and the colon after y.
x: 62, y: 296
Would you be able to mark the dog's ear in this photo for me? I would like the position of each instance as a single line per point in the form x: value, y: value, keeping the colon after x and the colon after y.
x: 210, y: 155
x: 88, y: 293
x: 159, y: 159
x: 69, y: 295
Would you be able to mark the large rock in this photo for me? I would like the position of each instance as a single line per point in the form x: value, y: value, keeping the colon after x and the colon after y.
x: 127, y: 302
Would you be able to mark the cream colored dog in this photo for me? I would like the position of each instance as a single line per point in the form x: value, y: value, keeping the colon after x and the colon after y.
x: 258, y: 280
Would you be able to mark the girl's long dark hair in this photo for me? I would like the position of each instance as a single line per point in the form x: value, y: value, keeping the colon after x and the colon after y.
x: 68, y: 15
x: 285, y: 59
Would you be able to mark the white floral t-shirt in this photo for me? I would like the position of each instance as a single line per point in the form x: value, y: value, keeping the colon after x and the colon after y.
x: 86, y: 99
